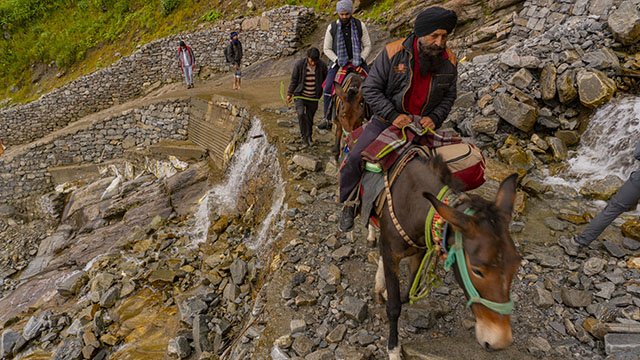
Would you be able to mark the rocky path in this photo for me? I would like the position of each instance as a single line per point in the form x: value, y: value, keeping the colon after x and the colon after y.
x: 309, y: 294
x: 318, y: 301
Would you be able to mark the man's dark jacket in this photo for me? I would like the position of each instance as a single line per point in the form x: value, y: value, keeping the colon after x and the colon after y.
x: 297, y: 78
x: 390, y: 79
x: 233, y: 52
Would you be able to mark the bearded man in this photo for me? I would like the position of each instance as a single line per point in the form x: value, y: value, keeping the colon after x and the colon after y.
x: 413, y: 78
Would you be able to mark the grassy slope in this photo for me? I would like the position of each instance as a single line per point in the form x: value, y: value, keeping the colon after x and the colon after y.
x: 45, y: 44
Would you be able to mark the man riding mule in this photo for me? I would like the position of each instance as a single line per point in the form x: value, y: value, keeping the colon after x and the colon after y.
x: 412, y: 77
x: 347, y: 45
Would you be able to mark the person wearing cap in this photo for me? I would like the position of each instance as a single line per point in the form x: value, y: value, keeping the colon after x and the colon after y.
x: 187, y: 62
x: 412, y: 77
x: 305, y: 90
x: 233, y: 55
x: 346, y: 42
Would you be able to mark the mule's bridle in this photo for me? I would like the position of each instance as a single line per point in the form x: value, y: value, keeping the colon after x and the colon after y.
x: 455, y: 254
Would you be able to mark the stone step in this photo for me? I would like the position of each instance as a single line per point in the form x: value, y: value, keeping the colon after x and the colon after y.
x: 67, y: 173
x: 183, y: 150
x: 622, y: 343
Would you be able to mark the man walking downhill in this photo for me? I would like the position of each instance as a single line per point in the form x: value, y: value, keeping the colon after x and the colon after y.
x: 306, y: 90
x: 187, y: 62
x: 233, y: 55
x: 626, y: 199
x: 346, y: 42
x: 415, y: 76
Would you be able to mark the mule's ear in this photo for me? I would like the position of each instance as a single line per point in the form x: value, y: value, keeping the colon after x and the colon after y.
x: 507, y: 194
x: 339, y: 91
x: 453, y: 216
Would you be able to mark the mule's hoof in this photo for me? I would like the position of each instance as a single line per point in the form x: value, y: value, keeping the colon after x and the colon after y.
x: 372, y: 243
x: 395, y: 354
x: 381, y: 297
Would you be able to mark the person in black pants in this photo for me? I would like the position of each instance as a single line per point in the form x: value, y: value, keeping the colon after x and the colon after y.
x: 306, y: 90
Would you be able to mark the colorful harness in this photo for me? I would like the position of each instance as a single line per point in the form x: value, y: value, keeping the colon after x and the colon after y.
x: 435, y: 233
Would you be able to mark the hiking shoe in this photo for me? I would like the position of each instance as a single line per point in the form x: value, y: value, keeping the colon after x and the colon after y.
x: 570, y: 245
x: 346, y: 219
x: 325, y: 125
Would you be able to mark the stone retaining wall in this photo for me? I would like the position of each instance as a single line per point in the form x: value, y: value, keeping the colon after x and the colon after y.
x: 276, y: 33
x: 25, y: 174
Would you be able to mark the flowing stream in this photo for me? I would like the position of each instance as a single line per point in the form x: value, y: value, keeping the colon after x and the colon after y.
x: 254, y: 158
x: 606, y: 147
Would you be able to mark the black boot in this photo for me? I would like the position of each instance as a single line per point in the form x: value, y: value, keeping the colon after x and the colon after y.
x: 346, y: 218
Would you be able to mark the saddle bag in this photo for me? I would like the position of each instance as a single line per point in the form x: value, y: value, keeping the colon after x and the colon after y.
x: 465, y: 162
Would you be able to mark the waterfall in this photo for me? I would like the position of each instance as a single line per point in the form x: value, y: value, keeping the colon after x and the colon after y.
x: 606, y: 147
x: 255, y: 157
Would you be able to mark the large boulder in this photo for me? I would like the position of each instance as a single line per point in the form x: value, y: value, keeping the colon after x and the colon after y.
x: 624, y: 23
x: 515, y: 156
x: 567, y: 87
x: 594, y: 88
x: 558, y: 147
x: 516, y: 113
x: 484, y: 125
x: 631, y: 229
x: 569, y: 137
x: 548, y: 79
x: 601, y: 189
x: 521, y: 79
x: 601, y: 59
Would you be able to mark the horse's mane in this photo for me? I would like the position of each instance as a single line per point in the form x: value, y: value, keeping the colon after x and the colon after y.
x: 351, y: 95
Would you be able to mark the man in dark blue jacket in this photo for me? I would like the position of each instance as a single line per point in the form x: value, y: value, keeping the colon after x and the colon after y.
x: 306, y: 90
x: 412, y: 77
x: 625, y: 199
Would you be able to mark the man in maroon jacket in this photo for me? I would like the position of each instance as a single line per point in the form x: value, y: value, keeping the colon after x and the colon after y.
x: 187, y: 62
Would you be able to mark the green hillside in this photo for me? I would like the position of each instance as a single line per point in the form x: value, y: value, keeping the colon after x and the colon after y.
x: 46, y: 43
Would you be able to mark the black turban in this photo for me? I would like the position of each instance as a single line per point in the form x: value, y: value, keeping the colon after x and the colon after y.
x: 435, y: 18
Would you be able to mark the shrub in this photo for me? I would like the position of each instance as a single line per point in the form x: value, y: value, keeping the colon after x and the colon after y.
x: 168, y: 6
x: 211, y: 16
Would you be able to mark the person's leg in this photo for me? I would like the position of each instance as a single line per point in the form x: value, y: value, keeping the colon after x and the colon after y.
x: 238, y: 75
x: 624, y: 200
x: 300, y: 110
x: 189, y: 71
x: 365, y: 66
x: 351, y: 171
x: 186, y: 75
x: 311, y: 108
x: 328, y: 87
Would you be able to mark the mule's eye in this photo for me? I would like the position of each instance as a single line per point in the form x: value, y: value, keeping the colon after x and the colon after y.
x: 477, y: 273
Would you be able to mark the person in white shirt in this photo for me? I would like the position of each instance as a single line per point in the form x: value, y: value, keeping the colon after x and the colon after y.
x: 346, y: 42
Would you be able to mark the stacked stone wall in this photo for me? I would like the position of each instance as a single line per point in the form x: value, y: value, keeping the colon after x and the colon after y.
x: 25, y: 174
x: 276, y: 33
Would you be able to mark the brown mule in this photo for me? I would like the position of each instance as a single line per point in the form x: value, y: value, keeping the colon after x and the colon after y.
x: 490, y: 256
x: 350, y: 110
